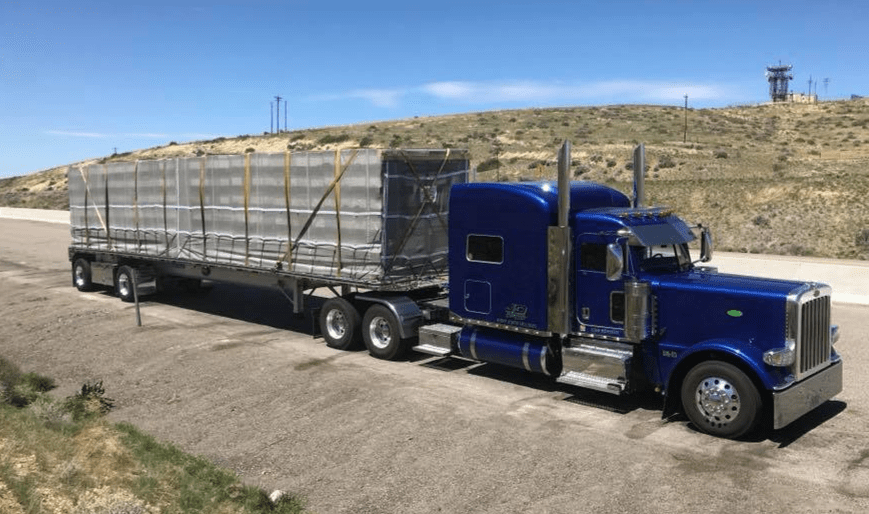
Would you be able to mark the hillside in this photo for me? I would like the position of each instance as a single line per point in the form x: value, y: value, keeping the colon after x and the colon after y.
x: 788, y: 179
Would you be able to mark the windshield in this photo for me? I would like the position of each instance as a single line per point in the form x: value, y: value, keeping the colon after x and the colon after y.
x: 663, y: 258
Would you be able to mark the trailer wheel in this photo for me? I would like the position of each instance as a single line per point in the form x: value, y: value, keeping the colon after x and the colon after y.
x: 380, y: 332
x: 339, y: 324
x: 81, y: 275
x: 720, y: 399
x: 124, y: 284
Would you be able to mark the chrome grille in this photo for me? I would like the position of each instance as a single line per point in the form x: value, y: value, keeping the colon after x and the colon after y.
x: 814, y: 342
x: 809, y: 327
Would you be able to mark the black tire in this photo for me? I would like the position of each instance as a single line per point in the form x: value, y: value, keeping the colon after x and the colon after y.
x: 720, y: 399
x: 381, y: 335
x: 339, y: 324
x: 124, y: 284
x: 81, y: 275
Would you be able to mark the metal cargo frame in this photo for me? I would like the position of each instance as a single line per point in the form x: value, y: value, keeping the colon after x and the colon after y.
x: 375, y: 219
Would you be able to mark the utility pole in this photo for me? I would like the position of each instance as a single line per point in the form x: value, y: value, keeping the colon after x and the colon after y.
x: 685, y: 138
x: 271, y: 117
x: 285, y: 115
x: 826, y: 83
x: 278, y: 111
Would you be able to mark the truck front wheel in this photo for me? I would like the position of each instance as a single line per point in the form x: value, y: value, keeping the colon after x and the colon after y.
x: 720, y: 399
x: 339, y: 324
x: 381, y: 335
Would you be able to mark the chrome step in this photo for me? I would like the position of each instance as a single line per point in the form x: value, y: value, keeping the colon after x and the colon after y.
x: 432, y: 350
x: 604, y: 384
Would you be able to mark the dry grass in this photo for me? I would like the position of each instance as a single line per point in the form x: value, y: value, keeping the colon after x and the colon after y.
x: 785, y: 179
x: 57, y: 458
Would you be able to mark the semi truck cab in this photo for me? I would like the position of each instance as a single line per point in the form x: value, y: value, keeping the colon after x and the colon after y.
x: 612, y: 300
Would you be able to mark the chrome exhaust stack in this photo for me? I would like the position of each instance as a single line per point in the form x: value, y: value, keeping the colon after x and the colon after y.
x: 639, y: 196
x: 558, y: 265
x: 563, y: 184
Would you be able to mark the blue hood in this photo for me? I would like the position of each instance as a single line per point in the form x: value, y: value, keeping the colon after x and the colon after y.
x: 696, y: 308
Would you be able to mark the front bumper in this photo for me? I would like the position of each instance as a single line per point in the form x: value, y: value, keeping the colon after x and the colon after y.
x: 800, y: 398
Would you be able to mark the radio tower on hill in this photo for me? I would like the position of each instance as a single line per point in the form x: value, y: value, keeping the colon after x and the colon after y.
x: 779, y: 78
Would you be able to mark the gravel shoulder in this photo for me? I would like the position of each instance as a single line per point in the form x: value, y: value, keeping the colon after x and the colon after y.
x: 233, y: 376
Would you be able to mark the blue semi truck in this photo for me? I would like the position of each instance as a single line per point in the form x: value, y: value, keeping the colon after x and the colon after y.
x: 574, y: 280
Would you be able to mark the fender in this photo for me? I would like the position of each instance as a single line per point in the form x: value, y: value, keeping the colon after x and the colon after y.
x: 405, y: 310
x: 674, y: 361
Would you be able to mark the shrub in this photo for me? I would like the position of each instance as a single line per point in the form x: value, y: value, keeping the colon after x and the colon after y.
x: 760, y: 221
x: 333, y: 138
x: 666, y: 161
x: 90, y: 401
x: 366, y: 141
x: 488, y: 164
x: 9, y: 377
x: 720, y: 154
x: 862, y: 239
x: 581, y: 170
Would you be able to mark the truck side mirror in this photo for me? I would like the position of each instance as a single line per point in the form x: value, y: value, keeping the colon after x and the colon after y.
x: 615, y: 262
x: 705, y: 245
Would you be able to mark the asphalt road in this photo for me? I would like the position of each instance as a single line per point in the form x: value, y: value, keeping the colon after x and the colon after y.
x: 233, y: 376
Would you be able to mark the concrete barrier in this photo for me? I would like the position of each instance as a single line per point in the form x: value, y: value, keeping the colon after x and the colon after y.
x: 849, y: 279
x: 35, y: 215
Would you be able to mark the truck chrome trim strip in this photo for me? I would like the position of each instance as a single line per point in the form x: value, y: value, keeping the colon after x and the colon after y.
x: 519, y: 330
x: 525, y: 357
x: 473, y: 345
x: 543, y: 362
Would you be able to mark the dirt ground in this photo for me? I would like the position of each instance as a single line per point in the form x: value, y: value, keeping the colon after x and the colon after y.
x: 233, y: 376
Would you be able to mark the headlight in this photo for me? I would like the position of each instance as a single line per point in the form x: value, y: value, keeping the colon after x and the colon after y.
x: 781, y: 357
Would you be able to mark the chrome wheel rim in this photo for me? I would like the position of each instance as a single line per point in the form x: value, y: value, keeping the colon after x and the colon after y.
x: 718, y: 401
x: 124, y: 285
x: 79, y: 276
x: 336, y: 324
x: 380, y: 332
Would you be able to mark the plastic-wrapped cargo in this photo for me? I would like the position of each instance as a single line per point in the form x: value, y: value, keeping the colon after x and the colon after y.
x: 361, y: 216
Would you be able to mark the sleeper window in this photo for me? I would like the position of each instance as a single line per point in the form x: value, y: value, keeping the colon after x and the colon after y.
x: 485, y: 249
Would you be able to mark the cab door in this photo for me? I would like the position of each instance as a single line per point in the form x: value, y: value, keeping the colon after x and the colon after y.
x: 600, y: 303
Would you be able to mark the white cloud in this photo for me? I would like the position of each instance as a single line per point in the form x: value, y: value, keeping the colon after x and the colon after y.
x: 100, y: 135
x: 379, y: 97
x: 129, y: 135
x: 529, y: 92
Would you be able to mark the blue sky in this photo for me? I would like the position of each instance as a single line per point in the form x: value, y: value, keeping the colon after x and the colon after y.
x: 81, y: 78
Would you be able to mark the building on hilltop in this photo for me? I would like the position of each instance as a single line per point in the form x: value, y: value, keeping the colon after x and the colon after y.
x: 802, y: 98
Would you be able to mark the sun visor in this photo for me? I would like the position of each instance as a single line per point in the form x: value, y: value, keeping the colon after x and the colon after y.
x: 675, y: 232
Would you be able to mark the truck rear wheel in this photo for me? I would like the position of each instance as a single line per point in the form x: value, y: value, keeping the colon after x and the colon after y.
x: 339, y: 324
x: 81, y: 275
x: 381, y: 334
x: 124, y: 284
x: 720, y: 399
